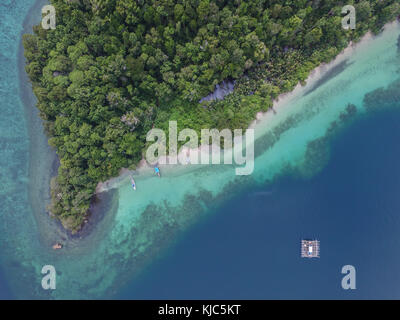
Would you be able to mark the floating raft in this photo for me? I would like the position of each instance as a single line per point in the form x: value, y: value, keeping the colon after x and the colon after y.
x: 309, y: 248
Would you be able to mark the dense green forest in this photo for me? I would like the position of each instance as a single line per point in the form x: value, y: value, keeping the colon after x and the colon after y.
x: 113, y: 69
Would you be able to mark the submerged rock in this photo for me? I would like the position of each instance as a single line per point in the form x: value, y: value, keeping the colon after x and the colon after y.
x: 398, y: 44
x: 383, y: 98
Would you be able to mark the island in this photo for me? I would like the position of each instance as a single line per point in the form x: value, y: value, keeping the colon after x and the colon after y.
x: 112, y: 70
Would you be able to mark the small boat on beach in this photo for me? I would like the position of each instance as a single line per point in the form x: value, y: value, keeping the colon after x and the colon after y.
x: 133, y: 183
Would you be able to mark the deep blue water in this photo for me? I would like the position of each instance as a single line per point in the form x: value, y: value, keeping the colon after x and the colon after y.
x: 5, y: 293
x: 250, y: 248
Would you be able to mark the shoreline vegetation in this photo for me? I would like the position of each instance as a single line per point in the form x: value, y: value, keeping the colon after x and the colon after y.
x: 112, y: 70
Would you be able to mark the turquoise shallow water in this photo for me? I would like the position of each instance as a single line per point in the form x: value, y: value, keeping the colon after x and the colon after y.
x: 139, y: 227
x: 14, y: 140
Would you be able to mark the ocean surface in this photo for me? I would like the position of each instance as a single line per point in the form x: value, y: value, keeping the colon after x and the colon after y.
x: 323, y: 170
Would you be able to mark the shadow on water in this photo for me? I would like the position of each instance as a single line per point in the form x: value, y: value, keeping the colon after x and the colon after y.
x: 101, y: 215
x: 332, y: 73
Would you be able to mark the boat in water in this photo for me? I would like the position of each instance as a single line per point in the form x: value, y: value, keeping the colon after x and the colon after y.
x: 57, y: 246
